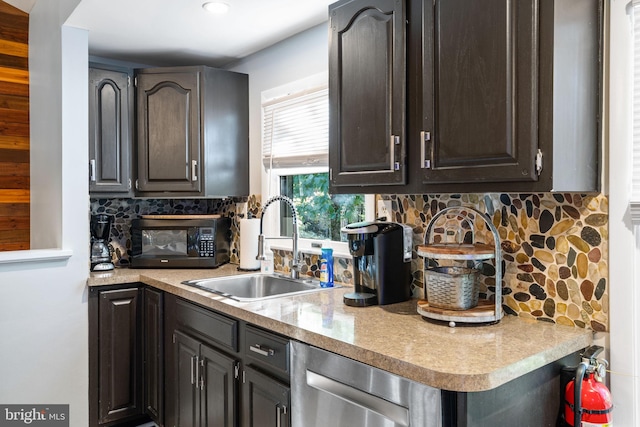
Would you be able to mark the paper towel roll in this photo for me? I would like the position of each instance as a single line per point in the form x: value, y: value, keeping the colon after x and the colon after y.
x: 249, y: 231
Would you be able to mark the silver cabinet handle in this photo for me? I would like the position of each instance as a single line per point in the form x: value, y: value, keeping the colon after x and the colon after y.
x: 425, y: 138
x: 394, y: 140
x: 264, y: 351
x: 278, y: 417
x: 92, y: 169
x: 194, y: 363
x: 194, y: 170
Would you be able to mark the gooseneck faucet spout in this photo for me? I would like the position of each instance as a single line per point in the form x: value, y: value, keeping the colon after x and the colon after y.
x: 295, y: 263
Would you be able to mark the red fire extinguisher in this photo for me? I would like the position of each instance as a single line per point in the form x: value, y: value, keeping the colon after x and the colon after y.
x: 587, y: 399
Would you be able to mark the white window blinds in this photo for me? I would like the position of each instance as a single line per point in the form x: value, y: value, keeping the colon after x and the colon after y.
x: 296, y: 130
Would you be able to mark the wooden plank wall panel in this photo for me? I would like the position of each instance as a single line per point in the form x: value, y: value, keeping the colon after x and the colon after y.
x: 14, y: 129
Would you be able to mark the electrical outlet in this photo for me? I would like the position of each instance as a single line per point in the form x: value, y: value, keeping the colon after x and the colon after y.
x: 384, y: 210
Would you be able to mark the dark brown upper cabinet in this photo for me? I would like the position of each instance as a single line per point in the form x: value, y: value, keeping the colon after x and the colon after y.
x: 502, y: 95
x: 479, y: 91
x: 193, y: 132
x: 367, y: 93
x: 110, y: 130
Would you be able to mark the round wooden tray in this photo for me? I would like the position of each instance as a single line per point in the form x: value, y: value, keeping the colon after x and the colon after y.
x: 461, y: 251
x: 484, y: 312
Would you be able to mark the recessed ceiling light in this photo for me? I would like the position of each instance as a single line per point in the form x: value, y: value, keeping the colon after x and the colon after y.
x: 216, y: 7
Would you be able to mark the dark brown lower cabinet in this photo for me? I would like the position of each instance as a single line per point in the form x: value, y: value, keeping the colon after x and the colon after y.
x: 125, y: 355
x: 205, y: 384
x: 207, y: 370
x: 214, y: 378
x: 153, y: 355
x: 265, y: 401
x: 115, y: 352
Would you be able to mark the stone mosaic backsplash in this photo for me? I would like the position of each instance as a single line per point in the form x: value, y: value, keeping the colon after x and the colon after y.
x: 342, y: 267
x: 554, y: 246
x: 124, y: 210
x: 554, y: 251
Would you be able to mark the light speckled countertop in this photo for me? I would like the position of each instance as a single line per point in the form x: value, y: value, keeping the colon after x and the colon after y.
x: 393, y: 337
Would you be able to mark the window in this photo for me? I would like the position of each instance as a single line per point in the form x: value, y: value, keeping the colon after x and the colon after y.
x: 295, y: 156
x: 321, y: 215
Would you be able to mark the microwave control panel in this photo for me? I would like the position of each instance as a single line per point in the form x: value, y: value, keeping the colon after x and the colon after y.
x: 206, y: 242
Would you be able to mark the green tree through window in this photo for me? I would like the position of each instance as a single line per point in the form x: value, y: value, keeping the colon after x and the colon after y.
x: 321, y: 215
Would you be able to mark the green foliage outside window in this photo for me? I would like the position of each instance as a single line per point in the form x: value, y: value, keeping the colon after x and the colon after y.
x: 321, y: 215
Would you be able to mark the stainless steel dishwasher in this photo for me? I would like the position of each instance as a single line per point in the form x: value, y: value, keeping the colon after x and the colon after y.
x: 331, y: 390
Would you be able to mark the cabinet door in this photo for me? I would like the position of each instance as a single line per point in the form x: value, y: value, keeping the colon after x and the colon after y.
x: 109, y: 131
x: 120, y: 342
x: 265, y: 401
x: 186, y: 351
x: 153, y: 355
x: 479, y: 106
x: 168, y: 112
x: 367, y: 93
x: 218, y: 393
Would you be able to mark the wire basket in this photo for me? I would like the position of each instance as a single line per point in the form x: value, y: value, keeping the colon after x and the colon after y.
x: 453, y: 288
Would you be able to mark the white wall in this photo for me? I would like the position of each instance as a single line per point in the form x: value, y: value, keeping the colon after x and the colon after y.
x: 298, y: 57
x: 623, y: 258
x: 43, y: 310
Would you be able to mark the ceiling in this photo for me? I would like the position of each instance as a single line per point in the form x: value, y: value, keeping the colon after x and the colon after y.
x: 181, y: 32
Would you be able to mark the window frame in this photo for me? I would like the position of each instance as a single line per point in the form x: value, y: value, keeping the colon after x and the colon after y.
x: 272, y: 219
x: 271, y: 176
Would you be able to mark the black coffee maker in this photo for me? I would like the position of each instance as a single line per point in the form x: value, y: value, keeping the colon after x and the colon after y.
x: 100, y: 231
x: 381, y: 262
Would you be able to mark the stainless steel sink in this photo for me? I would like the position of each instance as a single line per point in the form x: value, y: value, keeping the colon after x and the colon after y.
x: 256, y: 287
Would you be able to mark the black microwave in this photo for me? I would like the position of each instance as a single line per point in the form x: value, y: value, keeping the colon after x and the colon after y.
x: 180, y: 243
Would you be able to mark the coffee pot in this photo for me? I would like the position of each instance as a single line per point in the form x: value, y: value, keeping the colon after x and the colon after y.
x: 100, y: 230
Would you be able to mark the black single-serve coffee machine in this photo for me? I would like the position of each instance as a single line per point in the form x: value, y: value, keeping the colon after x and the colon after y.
x: 381, y: 262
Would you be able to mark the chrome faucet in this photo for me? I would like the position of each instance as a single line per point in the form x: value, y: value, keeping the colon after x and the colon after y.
x: 295, y: 263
